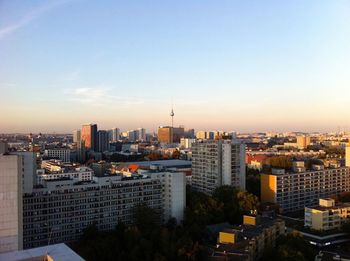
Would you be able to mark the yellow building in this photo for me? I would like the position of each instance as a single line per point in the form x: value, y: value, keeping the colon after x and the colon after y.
x: 250, y: 240
x: 303, y: 142
x: 327, y: 215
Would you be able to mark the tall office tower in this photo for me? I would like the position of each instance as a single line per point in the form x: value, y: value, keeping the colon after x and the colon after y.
x: 29, y: 168
x: 102, y: 141
x: 169, y: 134
x: 165, y: 134
x: 131, y: 135
x: 141, y: 134
x: 218, y: 163
x: 11, y: 210
x: 77, y: 137
x: 114, y: 134
x: 189, y: 134
x: 303, y: 142
x: 89, y: 136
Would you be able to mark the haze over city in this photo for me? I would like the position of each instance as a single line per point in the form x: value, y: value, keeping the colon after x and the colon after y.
x: 231, y: 65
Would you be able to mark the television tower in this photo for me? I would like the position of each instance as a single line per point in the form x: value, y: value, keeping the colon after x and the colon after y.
x: 172, y: 117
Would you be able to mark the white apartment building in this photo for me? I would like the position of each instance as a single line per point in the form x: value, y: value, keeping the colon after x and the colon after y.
x: 216, y: 163
x: 61, y: 154
x: 11, y: 210
x: 174, y: 194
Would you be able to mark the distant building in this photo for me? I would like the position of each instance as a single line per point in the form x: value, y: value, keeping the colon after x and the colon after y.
x: 89, y: 136
x: 114, y: 135
x: 11, y: 210
x: 303, y: 142
x: 217, y: 163
x: 186, y: 143
x: 77, y: 137
x: 327, y: 215
x: 102, y: 141
x: 62, y: 154
x: 74, y: 173
x: 170, y: 135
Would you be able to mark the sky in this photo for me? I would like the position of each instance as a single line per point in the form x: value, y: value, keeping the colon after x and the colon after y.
x: 224, y: 64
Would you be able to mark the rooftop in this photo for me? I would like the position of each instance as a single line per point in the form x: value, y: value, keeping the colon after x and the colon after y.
x: 58, y: 252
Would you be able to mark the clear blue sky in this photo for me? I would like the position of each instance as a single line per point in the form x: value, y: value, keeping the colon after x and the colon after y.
x: 232, y: 65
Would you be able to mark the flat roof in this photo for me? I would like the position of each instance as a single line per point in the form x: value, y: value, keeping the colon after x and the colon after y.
x: 164, y: 163
x: 58, y: 252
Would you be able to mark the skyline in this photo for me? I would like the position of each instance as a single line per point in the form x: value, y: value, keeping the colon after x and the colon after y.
x: 227, y: 65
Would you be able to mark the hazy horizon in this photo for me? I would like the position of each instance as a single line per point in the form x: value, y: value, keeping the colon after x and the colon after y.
x: 247, y: 66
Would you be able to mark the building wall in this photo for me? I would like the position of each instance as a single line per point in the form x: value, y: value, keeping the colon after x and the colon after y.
x: 294, y: 191
x: 62, y: 154
x: 217, y: 163
x: 11, y: 172
x: 64, y: 212
x: 268, y: 188
x: 89, y: 136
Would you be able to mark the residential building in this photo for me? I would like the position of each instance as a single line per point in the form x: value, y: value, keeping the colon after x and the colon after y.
x: 294, y: 191
x: 61, y: 154
x: 216, y: 163
x: 11, y: 210
x: 29, y: 169
x: 174, y: 193
x: 63, y: 208
x: 327, y: 215
x: 89, y: 136
x: 66, y: 206
x: 249, y: 241
x: 186, y: 143
x: 303, y: 142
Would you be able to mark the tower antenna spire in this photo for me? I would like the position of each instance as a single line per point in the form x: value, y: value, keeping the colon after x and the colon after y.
x: 172, y: 115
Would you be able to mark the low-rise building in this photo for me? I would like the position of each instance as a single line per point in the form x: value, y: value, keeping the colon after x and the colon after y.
x: 327, y: 215
x: 249, y: 241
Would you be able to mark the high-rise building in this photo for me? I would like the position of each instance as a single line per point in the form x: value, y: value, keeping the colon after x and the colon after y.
x: 216, y: 163
x: 29, y: 170
x: 77, y: 137
x: 114, y: 134
x: 167, y: 134
x: 141, y: 134
x: 102, y: 141
x: 11, y: 210
x: 89, y: 136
